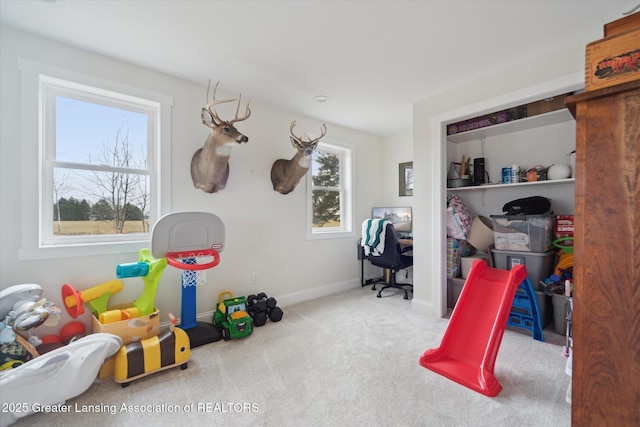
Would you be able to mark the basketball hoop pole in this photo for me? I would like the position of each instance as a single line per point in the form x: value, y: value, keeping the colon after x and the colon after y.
x: 188, y: 310
x: 200, y: 333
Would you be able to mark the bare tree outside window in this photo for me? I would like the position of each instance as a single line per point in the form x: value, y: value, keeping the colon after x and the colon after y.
x: 119, y: 187
x: 100, y: 175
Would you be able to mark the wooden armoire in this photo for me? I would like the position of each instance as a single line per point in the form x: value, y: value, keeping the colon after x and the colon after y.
x: 606, y: 316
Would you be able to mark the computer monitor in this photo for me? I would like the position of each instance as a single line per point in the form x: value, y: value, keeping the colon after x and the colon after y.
x: 401, y: 218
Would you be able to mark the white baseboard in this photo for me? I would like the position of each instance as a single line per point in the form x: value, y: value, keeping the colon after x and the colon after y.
x: 302, y: 296
x: 422, y: 307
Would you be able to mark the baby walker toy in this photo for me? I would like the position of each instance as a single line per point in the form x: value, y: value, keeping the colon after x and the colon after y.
x: 191, y: 242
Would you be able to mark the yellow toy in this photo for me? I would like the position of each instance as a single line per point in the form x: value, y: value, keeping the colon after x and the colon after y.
x: 164, y: 351
x: 96, y: 297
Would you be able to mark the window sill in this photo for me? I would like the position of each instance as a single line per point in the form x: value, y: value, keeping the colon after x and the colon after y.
x: 331, y: 235
x: 73, y: 251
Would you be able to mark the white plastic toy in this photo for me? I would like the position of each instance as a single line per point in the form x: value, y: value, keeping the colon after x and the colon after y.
x: 54, y: 377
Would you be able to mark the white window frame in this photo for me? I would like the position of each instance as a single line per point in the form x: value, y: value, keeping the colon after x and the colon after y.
x: 39, y: 83
x: 345, y: 153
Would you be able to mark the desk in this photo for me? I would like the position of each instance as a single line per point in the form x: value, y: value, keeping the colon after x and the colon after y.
x: 405, y: 242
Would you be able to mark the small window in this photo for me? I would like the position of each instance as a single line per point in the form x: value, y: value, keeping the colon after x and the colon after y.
x: 330, y: 192
x: 99, y: 154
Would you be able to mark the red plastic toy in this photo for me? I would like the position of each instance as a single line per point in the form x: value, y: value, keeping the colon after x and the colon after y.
x: 469, y: 347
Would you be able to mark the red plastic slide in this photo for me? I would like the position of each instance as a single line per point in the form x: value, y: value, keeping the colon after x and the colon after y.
x: 467, y: 353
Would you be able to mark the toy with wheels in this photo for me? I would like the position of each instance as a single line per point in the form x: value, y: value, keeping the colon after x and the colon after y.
x: 231, y: 316
x: 164, y: 351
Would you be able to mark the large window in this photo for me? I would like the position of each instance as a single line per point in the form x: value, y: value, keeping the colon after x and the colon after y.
x: 330, y: 192
x: 99, y: 157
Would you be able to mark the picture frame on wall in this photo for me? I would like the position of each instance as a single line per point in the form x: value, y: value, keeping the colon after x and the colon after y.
x: 406, y: 179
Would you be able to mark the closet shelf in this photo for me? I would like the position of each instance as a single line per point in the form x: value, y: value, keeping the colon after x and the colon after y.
x: 546, y: 119
x: 492, y: 187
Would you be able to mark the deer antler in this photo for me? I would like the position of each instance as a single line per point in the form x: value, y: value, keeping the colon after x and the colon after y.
x: 246, y: 115
x: 323, y: 132
x: 213, y: 102
x: 293, y: 124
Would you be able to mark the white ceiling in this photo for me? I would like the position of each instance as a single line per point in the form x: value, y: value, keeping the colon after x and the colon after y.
x: 373, y: 59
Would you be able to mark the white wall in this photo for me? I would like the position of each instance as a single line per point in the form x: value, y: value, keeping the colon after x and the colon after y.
x: 395, y: 150
x: 498, y: 88
x: 265, y: 231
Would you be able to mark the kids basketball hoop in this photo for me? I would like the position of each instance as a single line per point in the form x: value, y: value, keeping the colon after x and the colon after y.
x: 194, y: 264
x: 190, y: 242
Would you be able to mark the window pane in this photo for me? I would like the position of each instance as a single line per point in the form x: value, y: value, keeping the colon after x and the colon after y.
x: 92, y: 133
x: 326, y: 209
x: 326, y: 169
x: 117, y: 202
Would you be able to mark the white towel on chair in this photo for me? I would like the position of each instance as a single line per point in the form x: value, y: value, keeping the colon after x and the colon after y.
x: 373, y: 233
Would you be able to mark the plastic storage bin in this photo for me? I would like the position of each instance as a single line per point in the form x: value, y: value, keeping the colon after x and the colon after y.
x: 526, y: 233
x: 560, y: 309
x: 539, y: 265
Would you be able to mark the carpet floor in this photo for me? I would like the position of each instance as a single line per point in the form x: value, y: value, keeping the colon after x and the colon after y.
x: 348, y: 358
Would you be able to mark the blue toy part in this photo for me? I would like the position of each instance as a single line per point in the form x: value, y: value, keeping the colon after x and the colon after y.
x: 525, y: 312
x: 133, y: 269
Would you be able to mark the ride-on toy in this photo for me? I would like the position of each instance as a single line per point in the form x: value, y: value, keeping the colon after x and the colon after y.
x: 164, y: 351
x: 231, y: 316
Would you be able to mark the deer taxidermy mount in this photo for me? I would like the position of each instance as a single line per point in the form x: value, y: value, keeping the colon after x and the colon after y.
x: 210, y: 164
x: 285, y: 174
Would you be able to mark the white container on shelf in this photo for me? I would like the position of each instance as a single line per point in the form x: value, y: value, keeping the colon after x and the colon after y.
x: 559, y: 171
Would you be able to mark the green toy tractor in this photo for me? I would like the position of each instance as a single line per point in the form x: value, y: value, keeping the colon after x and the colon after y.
x: 231, y: 317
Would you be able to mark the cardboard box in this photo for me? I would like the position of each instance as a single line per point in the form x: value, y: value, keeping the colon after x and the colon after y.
x: 130, y: 330
x: 613, y: 60
x: 478, y: 123
x: 546, y: 105
x: 455, y: 250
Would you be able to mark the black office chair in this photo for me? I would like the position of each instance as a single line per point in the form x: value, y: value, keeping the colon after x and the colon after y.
x: 392, y: 260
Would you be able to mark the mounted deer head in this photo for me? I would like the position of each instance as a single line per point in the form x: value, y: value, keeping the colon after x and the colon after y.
x: 210, y: 164
x: 285, y: 174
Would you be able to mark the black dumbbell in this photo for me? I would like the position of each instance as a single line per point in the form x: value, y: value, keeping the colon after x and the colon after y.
x: 275, y: 314
x: 259, y: 318
x: 261, y: 305
x: 273, y: 311
x: 251, y: 300
x: 257, y: 308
